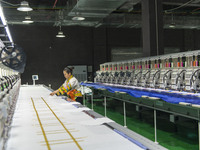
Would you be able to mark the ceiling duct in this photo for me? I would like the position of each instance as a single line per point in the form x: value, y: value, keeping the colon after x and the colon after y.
x: 193, y: 3
x: 129, y: 5
x: 104, y: 13
x: 196, y: 1
x: 96, y: 10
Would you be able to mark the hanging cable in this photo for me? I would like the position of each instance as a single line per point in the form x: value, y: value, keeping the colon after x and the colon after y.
x: 9, y: 3
x: 172, y: 17
x: 179, y: 6
x: 55, y: 3
x: 195, y: 11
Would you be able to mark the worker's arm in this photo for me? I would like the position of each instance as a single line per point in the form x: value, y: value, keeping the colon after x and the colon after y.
x: 63, y: 89
x: 54, y: 92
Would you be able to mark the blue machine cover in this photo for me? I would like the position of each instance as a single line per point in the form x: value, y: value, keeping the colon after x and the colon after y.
x: 168, y: 96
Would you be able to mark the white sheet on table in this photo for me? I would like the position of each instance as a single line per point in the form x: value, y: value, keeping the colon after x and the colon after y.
x: 26, y: 133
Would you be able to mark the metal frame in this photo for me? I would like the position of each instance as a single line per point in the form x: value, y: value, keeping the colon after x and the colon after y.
x: 120, y: 97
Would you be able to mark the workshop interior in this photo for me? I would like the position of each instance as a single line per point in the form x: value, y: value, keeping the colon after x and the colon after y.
x: 137, y: 63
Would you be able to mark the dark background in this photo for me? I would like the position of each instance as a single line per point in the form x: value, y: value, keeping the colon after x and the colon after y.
x: 48, y: 55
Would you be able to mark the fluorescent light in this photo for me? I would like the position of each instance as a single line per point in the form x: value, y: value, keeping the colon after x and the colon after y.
x: 9, y: 35
x: 60, y: 34
x: 28, y: 20
x: 172, y: 25
x: 2, y: 16
x: 5, y: 24
x: 78, y: 18
x: 24, y: 6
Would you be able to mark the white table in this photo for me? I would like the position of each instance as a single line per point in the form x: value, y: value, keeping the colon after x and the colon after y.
x: 49, y: 122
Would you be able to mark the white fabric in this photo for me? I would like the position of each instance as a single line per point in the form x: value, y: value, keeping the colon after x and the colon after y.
x: 26, y: 132
x: 86, y: 90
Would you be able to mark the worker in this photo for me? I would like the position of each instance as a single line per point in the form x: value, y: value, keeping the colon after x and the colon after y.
x: 70, y: 87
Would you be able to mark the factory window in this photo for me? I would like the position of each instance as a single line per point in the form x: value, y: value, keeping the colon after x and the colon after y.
x: 169, y: 50
x: 125, y: 53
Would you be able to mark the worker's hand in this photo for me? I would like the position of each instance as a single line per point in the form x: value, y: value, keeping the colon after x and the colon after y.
x: 53, y: 93
x: 69, y: 99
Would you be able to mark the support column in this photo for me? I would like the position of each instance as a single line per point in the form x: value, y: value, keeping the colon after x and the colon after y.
x: 92, y: 101
x: 199, y: 133
x: 155, y: 127
x: 152, y: 27
x: 105, y: 111
x: 124, y: 108
x: 83, y: 99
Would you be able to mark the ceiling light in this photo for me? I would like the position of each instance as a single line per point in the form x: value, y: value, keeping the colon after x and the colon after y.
x: 28, y: 20
x: 5, y: 24
x: 78, y: 18
x: 60, y: 34
x: 172, y: 25
x: 193, y: 27
x: 24, y: 6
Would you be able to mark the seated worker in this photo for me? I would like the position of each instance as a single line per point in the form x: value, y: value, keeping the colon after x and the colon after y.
x: 70, y: 87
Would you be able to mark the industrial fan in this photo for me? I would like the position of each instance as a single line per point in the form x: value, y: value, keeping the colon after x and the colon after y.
x: 14, y: 58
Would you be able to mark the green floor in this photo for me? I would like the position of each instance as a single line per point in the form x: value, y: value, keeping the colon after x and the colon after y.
x: 182, y: 136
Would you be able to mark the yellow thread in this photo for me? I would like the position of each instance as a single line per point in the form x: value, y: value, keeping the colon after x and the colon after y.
x: 53, y: 133
x: 57, y: 140
x: 49, y: 125
x: 52, y: 124
x: 45, y: 119
x: 58, y: 130
x: 63, y: 142
x: 75, y: 131
x: 54, y: 130
x: 63, y: 125
x: 44, y: 115
x: 42, y: 110
x: 47, y: 143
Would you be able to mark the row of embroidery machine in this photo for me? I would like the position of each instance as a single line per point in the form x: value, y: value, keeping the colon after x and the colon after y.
x: 9, y: 89
x: 177, y: 71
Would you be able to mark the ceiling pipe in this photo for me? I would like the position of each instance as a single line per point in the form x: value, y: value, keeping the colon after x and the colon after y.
x: 178, y: 4
x: 55, y: 4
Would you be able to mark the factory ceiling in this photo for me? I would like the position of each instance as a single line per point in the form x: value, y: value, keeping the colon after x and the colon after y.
x: 101, y: 13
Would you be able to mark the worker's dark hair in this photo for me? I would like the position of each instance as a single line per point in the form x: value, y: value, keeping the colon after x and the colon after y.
x: 68, y: 69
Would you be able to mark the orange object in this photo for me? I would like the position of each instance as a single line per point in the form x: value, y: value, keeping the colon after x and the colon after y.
x: 71, y: 94
x: 194, y: 63
x: 178, y: 64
